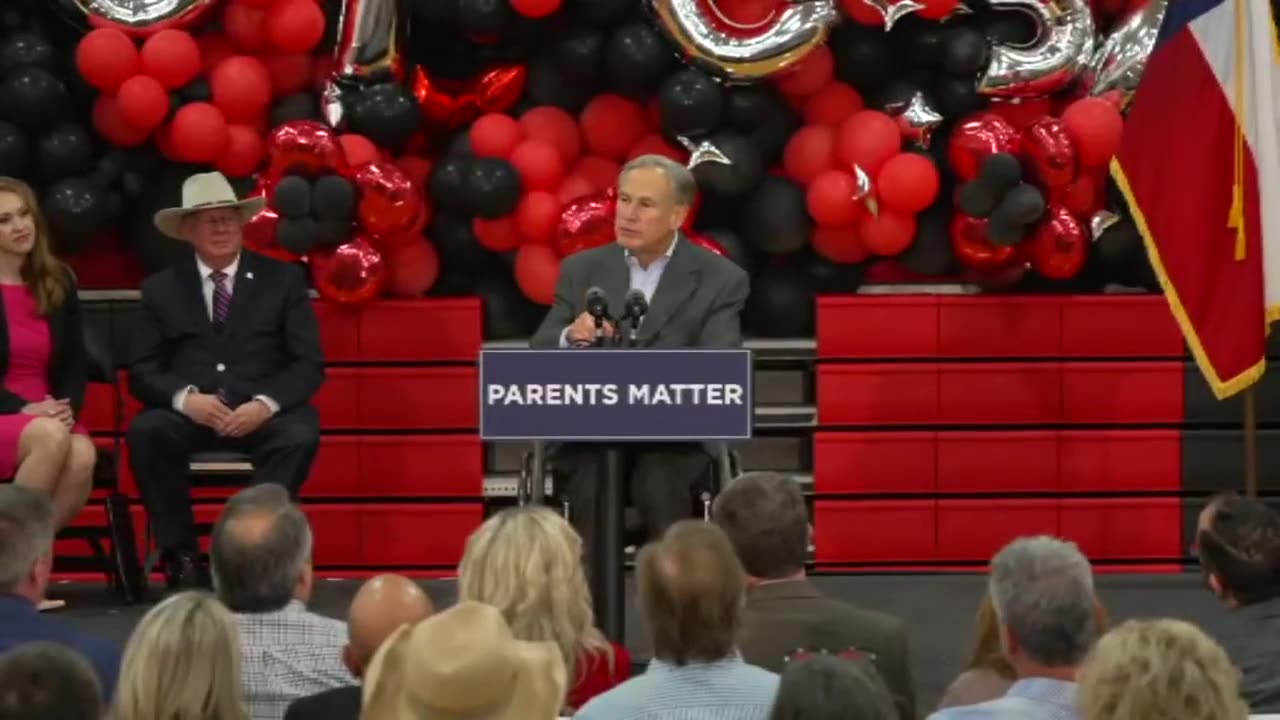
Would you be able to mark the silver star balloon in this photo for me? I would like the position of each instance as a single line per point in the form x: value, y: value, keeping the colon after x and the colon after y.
x: 867, y: 197
x: 703, y: 152
x: 892, y: 12
x: 1099, y: 223
x: 916, y: 119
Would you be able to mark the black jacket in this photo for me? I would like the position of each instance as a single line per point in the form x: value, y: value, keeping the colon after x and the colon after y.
x: 269, y: 345
x: 68, y: 362
x: 337, y: 704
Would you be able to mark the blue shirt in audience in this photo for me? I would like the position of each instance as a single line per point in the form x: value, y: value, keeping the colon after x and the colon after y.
x: 21, y: 623
x: 1028, y: 699
x: 728, y: 689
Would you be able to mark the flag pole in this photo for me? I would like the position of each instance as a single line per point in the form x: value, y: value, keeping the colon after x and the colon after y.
x: 1250, y: 443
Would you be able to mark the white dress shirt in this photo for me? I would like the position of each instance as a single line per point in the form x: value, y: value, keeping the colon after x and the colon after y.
x: 643, y: 279
x: 206, y: 289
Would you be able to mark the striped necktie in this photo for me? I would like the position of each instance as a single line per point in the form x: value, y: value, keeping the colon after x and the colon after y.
x: 221, y: 298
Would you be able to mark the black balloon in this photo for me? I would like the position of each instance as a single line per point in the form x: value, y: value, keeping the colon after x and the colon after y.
x: 863, y: 57
x: 33, y: 98
x: 579, y: 54
x: 547, y: 85
x: 15, y: 152
x: 1024, y: 203
x: 386, y: 114
x: 27, y: 49
x: 1009, y: 27
x: 493, y: 187
x: 919, y: 42
x: 955, y: 97
x: 1118, y: 244
x: 77, y: 209
x: 735, y: 248
x: 763, y: 111
x: 64, y: 151
x: 965, y: 51
x: 292, y: 197
x: 508, y: 314
x: 486, y: 18
x: 691, y: 103
x: 976, y: 199
x: 775, y: 219
x: 741, y: 174
x: 1000, y: 172
x: 638, y: 59
x: 1004, y: 228
x: 298, y: 235
x: 895, y: 96
x: 110, y: 167
x: 299, y: 106
x: 829, y: 277
x: 447, y: 185
x: 781, y: 302
x: 602, y: 13
x: 332, y: 233
x: 333, y: 199
x: 456, y: 242
x: 930, y: 252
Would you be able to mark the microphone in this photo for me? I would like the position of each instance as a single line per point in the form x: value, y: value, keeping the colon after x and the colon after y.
x: 598, y: 308
x: 635, y: 307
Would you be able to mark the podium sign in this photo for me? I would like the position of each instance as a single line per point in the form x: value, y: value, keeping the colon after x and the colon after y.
x: 602, y: 395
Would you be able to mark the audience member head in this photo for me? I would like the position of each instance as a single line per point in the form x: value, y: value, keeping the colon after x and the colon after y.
x: 692, y: 588
x: 380, y: 607
x: 1158, y: 669
x: 26, y: 541
x: 829, y: 687
x: 211, y: 218
x: 527, y: 562
x: 24, y: 241
x: 764, y: 515
x: 1042, y: 592
x: 261, y: 552
x: 182, y: 661
x: 49, y: 682
x: 1238, y: 541
x: 987, y: 654
x: 463, y: 664
x: 654, y: 197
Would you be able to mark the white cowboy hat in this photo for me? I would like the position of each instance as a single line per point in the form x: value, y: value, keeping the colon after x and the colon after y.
x: 206, y: 191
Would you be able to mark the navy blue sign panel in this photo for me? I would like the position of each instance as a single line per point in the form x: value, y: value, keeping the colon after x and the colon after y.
x: 615, y: 395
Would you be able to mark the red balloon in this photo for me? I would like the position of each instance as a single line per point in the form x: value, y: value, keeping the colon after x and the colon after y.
x: 973, y: 246
x: 655, y: 144
x: 535, y: 8
x: 574, y: 187
x: 353, y: 272
x: 809, y: 75
x: 418, y: 168
x: 453, y: 104
x: 810, y: 151
x: 862, y: 12
x: 260, y: 236
x: 358, y: 149
x: 389, y: 202
x: 839, y: 244
x: 498, y: 235
x: 144, y: 103
x: 833, y: 199
x: 1059, y: 245
x: 295, y: 25
x: 868, y: 139
x: 243, y: 154
x: 539, y: 165
x: 241, y: 88
x: 908, y: 183
x: 290, y: 72
x: 495, y: 135
x: 1048, y: 150
x: 198, y: 133
x: 245, y: 25
x: 978, y: 138
x: 304, y: 147
x: 1095, y: 126
x: 172, y: 57
x: 557, y: 127
x: 537, y: 272
x: 831, y: 105
x: 213, y: 50
x: 537, y: 216
x: 586, y: 223
x: 105, y: 58
x: 612, y: 125
x: 110, y: 123
x: 602, y: 172
x: 888, y: 233
x: 705, y: 242
x: 414, y: 268
x: 937, y: 9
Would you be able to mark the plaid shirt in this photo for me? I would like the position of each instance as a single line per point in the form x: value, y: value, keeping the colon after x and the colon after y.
x: 1028, y: 699
x: 728, y: 689
x: 288, y: 654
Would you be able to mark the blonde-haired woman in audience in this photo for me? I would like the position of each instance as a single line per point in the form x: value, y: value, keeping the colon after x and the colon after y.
x: 1158, y: 670
x: 527, y: 562
x: 182, y: 663
x: 988, y: 675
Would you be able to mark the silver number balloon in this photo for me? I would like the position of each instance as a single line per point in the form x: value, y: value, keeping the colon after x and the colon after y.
x: 753, y: 52
x: 1119, y: 62
x: 1059, y: 53
x: 368, y: 51
x: 135, y: 17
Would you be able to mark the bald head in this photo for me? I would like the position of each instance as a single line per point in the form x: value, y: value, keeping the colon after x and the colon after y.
x: 382, y: 605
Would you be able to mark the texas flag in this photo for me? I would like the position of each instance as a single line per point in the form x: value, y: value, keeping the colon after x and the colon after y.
x: 1200, y: 167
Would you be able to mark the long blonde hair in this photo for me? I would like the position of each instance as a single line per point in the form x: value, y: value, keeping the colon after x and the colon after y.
x: 527, y: 562
x: 182, y: 663
x: 44, y: 274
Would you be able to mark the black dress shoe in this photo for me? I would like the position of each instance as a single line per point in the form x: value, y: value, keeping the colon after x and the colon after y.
x: 185, y: 571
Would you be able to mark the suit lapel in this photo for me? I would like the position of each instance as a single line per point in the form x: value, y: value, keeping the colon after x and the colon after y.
x: 191, y: 285
x: 617, y: 281
x: 243, y: 292
x: 679, y: 280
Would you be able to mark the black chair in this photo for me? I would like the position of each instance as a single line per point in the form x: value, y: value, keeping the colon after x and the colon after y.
x: 120, y: 564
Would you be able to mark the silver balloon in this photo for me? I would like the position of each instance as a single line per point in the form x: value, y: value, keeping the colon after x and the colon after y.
x: 703, y: 152
x: 916, y: 119
x: 368, y: 51
x: 1061, y: 50
x: 864, y: 193
x: 751, y: 52
x: 1118, y: 64
x: 892, y: 12
x: 1100, y: 221
x: 136, y: 17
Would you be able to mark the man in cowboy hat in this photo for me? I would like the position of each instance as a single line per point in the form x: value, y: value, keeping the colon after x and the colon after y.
x: 226, y: 356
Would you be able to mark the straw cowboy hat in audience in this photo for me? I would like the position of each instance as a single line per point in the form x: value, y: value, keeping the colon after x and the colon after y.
x: 206, y: 191
x: 463, y: 664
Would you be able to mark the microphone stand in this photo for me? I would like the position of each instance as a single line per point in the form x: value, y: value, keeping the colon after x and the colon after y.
x: 599, y: 342
x: 635, y: 329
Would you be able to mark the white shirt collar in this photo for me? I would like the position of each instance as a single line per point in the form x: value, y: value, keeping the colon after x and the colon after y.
x: 205, y: 270
x: 671, y: 249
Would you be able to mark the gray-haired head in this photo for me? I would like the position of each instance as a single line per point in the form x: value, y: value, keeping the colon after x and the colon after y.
x: 1042, y: 591
x: 26, y: 533
x: 683, y: 187
x: 261, y: 548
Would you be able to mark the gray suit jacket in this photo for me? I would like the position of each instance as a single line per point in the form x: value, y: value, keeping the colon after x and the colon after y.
x: 1251, y: 637
x: 698, y: 301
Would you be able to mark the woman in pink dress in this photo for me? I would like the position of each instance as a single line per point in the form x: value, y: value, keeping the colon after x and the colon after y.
x: 42, y: 362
